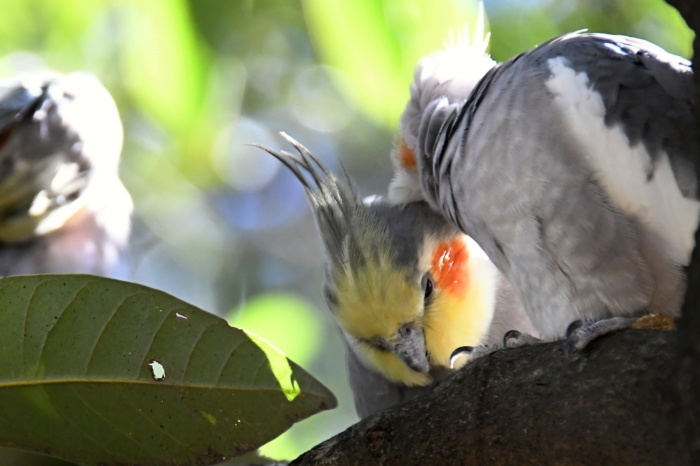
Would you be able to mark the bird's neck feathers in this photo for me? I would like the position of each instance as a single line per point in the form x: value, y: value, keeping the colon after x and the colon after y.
x: 405, y: 185
x: 451, y: 72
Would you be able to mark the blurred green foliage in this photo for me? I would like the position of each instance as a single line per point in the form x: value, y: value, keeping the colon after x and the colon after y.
x: 519, y: 25
x: 219, y: 223
x: 376, y: 45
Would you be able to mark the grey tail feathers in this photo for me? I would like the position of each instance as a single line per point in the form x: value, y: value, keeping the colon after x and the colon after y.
x: 334, y: 201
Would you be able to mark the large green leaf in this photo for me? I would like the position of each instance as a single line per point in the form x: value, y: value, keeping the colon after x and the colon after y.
x: 81, y: 376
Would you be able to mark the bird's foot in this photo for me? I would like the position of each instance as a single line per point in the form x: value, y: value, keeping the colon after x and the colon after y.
x: 580, y: 333
x: 515, y: 339
x: 511, y: 339
x: 465, y: 354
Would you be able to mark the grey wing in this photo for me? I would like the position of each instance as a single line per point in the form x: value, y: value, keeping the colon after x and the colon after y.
x: 534, y: 170
x: 649, y: 92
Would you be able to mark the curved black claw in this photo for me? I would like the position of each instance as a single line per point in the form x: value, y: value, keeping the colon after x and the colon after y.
x: 573, y: 326
x: 459, y: 352
x: 510, y: 336
x: 579, y: 333
x: 515, y: 339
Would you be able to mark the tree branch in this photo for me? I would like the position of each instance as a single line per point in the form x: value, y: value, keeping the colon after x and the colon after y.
x: 614, y: 403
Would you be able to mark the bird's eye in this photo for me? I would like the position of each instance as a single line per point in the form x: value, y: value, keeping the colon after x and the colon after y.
x: 427, y: 284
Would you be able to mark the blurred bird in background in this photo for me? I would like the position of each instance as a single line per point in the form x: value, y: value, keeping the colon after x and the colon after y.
x: 572, y: 165
x: 63, y: 208
x: 405, y: 287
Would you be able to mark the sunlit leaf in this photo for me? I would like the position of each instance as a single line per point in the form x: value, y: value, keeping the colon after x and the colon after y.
x: 299, y: 332
x: 377, y: 44
x: 95, y: 370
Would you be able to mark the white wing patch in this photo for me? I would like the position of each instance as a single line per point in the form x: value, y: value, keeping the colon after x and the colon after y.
x: 622, y: 167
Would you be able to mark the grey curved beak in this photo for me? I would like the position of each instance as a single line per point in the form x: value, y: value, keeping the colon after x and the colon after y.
x: 409, y: 346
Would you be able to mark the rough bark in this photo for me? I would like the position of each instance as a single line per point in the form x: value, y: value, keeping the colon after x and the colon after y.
x: 614, y: 403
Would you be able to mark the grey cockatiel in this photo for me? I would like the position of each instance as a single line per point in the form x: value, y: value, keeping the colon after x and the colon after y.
x: 63, y: 208
x: 405, y: 287
x: 574, y: 167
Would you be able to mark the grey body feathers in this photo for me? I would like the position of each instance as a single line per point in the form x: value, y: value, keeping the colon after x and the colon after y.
x: 508, y: 170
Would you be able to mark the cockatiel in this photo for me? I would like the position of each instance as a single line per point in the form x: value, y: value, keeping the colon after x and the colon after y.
x: 63, y: 208
x: 574, y: 166
x: 405, y: 287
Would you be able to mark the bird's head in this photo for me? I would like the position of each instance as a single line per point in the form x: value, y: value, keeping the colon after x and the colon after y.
x: 405, y: 286
x: 449, y: 74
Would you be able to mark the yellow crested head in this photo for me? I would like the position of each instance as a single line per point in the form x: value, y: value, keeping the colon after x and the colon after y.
x: 405, y: 286
x: 373, y: 302
x: 449, y: 293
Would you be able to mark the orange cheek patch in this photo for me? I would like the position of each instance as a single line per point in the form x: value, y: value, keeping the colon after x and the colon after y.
x: 407, y: 158
x: 449, y: 266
